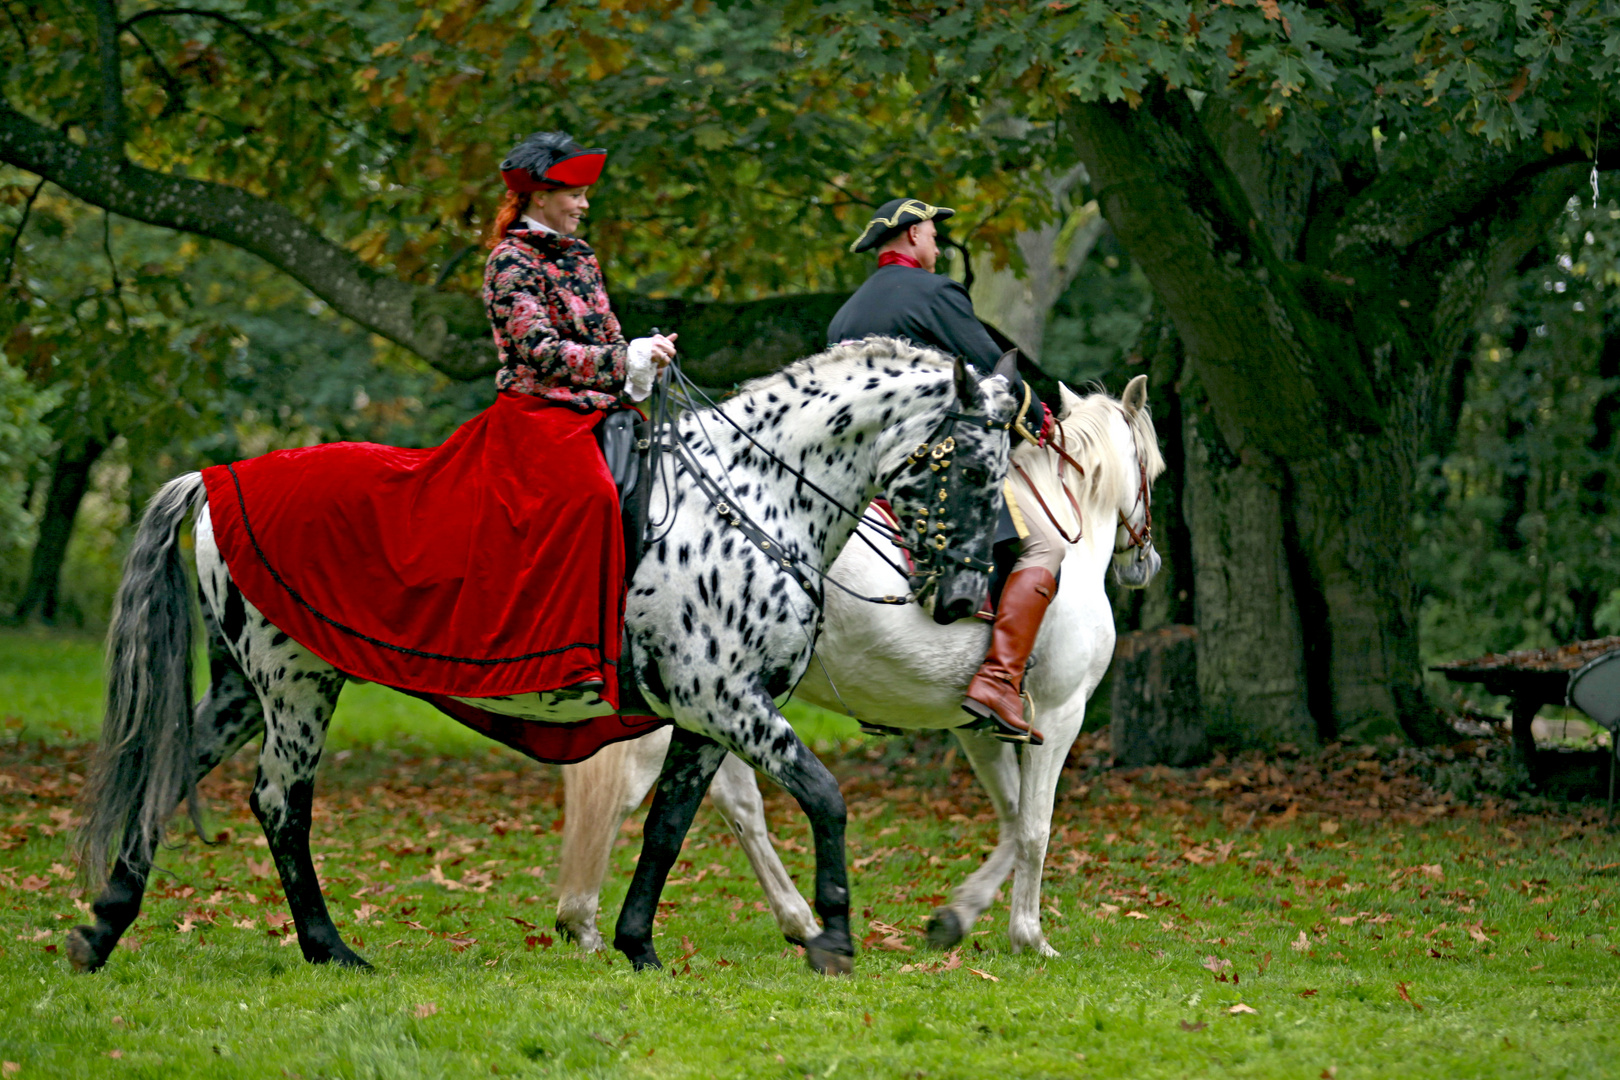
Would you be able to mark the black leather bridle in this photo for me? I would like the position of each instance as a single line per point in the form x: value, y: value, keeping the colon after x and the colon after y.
x: 932, y: 552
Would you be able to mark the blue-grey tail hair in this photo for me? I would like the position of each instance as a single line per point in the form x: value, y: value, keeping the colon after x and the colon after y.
x: 146, y: 763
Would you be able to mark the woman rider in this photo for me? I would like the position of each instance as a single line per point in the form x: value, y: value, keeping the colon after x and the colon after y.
x: 547, y: 303
x: 499, y: 554
x: 548, y: 306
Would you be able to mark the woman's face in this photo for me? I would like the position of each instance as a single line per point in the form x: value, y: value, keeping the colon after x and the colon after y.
x: 560, y: 209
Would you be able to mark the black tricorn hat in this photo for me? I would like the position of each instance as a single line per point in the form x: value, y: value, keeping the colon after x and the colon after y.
x: 548, y: 160
x: 895, y: 217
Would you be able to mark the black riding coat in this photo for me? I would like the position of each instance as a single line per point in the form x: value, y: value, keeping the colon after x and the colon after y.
x: 925, y: 308
x: 931, y: 310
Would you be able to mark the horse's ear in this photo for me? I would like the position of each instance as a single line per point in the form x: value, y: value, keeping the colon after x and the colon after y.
x: 1067, y: 400
x: 1007, y: 366
x: 967, y: 385
x: 1135, y: 397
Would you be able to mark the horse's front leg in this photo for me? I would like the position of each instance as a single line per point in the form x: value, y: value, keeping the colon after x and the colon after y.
x: 736, y: 795
x: 688, y: 768
x: 995, y: 763
x: 762, y: 738
x: 599, y: 793
x: 1031, y: 827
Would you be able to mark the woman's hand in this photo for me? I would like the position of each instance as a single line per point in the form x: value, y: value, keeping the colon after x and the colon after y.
x: 647, y: 357
x: 663, y: 349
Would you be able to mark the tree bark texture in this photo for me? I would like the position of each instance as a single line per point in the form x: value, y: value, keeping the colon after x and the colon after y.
x: 1321, y: 304
x: 70, y: 479
x: 1155, y: 717
x: 1252, y: 678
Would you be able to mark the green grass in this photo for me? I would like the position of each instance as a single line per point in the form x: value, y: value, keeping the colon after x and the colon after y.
x: 51, y: 689
x: 1325, y: 919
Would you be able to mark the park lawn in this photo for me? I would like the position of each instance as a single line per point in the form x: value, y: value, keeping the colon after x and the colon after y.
x: 1414, y: 938
x: 51, y: 688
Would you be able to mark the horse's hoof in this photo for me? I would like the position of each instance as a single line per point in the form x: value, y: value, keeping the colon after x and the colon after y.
x: 828, y: 963
x: 944, y: 929
x: 342, y: 956
x: 641, y: 954
x: 80, y: 953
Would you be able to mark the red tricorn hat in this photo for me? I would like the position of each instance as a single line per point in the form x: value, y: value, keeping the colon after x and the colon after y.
x: 548, y: 160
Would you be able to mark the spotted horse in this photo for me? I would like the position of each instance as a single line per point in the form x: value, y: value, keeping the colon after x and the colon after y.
x: 752, y: 501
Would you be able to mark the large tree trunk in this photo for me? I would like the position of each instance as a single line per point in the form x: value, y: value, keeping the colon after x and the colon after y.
x: 1251, y: 644
x: 1321, y: 304
x: 70, y: 479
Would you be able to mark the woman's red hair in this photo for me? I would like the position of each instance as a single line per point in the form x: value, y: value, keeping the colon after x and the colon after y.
x: 512, y: 206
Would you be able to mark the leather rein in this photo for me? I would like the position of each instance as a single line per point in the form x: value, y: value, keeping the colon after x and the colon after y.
x: 930, y: 555
x: 1140, y: 538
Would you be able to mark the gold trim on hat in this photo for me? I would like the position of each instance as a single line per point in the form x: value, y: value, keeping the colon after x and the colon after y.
x: 922, y: 210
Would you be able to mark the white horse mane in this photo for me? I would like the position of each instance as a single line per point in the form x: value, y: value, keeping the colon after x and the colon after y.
x: 1083, y: 432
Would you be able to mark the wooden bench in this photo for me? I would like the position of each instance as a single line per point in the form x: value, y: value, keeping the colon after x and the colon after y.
x: 1531, y: 678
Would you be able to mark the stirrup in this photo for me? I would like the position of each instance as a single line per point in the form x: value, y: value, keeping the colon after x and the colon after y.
x: 990, y: 722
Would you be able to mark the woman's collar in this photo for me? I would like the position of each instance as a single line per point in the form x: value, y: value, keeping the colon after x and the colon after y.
x: 538, y: 226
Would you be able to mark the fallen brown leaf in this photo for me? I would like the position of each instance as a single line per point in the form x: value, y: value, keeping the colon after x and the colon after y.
x: 425, y: 1010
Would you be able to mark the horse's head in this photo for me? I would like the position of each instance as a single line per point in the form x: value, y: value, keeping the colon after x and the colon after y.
x: 948, y: 493
x: 1135, y: 560
x: 1109, y: 456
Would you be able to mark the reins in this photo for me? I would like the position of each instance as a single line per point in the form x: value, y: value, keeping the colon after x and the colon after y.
x: 1140, y: 538
x: 936, y: 451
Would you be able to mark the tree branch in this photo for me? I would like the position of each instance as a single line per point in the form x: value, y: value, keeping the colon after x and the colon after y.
x: 1186, y: 221
x: 721, y: 343
x: 110, y: 131
x: 173, y: 89
x: 16, y: 237
x: 259, y: 40
x: 445, y: 329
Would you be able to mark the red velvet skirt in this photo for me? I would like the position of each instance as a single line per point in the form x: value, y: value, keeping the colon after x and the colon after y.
x: 488, y: 566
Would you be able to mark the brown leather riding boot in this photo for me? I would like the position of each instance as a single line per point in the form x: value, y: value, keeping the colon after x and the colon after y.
x: 995, y: 692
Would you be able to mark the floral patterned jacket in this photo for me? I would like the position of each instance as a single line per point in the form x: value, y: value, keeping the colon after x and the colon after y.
x: 557, y: 336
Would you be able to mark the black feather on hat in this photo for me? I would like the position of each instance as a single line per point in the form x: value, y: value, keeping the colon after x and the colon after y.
x: 548, y: 160
x: 895, y: 217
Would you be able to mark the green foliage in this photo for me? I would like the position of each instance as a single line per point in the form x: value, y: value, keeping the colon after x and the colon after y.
x: 24, y: 439
x: 1095, y: 324
x: 1520, y: 544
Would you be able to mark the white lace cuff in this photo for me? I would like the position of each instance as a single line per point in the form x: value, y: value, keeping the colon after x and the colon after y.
x: 639, y: 370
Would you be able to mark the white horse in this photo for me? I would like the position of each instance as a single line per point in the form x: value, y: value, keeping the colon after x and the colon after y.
x: 896, y: 667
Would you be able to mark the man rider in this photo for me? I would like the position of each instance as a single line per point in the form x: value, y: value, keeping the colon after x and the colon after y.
x: 905, y: 298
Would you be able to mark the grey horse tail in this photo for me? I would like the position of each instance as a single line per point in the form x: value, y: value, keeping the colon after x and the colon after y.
x: 146, y: 763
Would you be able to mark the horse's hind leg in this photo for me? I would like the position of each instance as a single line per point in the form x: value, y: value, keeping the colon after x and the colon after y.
x: 736, y: 795
x: 228, y: 716
x: 996, y: 765
x: 301, y: 691
x: 598, y: 794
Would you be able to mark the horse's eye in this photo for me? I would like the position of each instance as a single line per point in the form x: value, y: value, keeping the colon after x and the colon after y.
x: 976, y: 476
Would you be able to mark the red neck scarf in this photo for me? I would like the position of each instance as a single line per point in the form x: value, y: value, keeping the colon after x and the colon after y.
x: 895, y: 258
